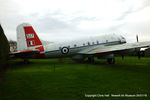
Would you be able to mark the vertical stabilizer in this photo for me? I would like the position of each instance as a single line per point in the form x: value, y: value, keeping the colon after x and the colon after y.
x: 27, y: 37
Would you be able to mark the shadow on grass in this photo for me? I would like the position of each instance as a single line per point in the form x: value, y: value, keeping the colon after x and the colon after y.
x: 19, y: 63
x: 135, y: 66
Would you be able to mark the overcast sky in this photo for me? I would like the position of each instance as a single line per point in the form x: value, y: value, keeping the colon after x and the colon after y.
x: 58, y: 20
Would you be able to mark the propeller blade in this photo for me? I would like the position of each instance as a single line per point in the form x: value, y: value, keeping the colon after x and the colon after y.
x: 137, y: 38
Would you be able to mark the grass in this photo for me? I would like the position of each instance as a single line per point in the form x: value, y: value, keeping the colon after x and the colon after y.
x: 49, y: 79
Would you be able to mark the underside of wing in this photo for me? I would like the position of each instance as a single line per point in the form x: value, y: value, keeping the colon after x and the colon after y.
x: 23, y: 54
x: 116, y: 49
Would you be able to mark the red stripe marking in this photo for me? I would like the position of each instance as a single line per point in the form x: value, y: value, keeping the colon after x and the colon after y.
x: 41, y: 49
x: 31, y: 37
x: 33, y: 40
x: 102, y: 51
x: 26, y: 51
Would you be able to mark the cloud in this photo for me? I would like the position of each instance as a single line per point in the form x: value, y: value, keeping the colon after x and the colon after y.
x: 70, y: 19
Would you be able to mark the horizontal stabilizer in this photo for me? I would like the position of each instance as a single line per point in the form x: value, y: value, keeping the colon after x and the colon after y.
x: 24, y: 54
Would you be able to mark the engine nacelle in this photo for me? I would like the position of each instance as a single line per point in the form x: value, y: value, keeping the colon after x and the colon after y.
x: 106, y: 56
x: 78, y: 57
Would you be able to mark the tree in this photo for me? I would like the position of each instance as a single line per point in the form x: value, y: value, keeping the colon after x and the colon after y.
x: 4, y: 48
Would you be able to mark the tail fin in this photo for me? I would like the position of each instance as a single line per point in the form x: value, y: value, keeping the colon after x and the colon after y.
x: 27, y: 37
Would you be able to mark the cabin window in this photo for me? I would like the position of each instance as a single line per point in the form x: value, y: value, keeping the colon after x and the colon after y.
x: 106, y: 41
x: 59, y: 48
x: 97, y: 42
x: 122, y: 37
x: 88, y: 43
x: 68, y: 46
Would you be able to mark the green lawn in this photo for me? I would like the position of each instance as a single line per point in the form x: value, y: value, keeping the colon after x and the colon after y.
x: 49, y: 79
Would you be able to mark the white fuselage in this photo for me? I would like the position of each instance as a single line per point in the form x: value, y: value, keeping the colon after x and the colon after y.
x: 103, y: 47
x: 71, y: 48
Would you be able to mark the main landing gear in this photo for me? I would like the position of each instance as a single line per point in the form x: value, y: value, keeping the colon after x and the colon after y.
x: 91, y: 59
x: 111, y: 60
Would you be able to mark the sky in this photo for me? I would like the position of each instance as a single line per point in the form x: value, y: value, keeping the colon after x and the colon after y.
x: 62, y: 20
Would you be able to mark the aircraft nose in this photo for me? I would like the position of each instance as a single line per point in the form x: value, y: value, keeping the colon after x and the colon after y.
x: 122, y: 39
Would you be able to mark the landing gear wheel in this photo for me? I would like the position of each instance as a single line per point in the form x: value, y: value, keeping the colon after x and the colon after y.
x: 91, y: 59
x: 111, y: 60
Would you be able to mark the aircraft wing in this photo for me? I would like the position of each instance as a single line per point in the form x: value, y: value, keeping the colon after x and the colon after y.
x: 116, y: 49
x: 23, y: 54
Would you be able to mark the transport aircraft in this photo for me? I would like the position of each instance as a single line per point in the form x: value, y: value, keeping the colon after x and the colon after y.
x: 103, y: 47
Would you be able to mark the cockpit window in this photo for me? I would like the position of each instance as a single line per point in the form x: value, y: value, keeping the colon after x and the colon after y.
x: 122, y: 40
x: 122, y: 37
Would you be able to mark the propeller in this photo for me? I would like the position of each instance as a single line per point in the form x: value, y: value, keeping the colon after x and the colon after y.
x: 137, y: 38
x: 138, y: 53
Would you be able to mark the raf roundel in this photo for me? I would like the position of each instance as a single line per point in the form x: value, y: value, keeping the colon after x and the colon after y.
x: 65, y: 50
